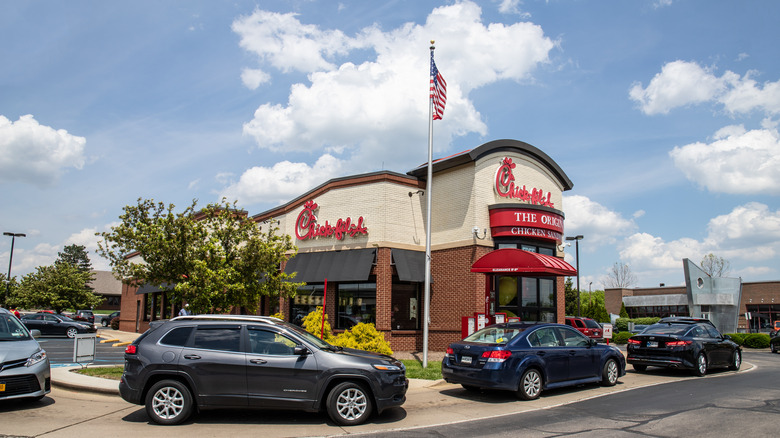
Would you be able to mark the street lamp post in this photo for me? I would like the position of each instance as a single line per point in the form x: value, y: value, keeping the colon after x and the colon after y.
x: 10, y: 262
x: 576, y: 240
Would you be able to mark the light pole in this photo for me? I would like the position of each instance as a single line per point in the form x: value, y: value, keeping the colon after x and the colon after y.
x: 576, y: 240
x: 10, y: 261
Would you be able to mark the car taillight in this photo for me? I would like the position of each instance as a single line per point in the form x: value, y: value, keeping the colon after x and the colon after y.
x: 131, y: 349
x: 633, y: 341
x: 678, y: 343
x: 496, y: 355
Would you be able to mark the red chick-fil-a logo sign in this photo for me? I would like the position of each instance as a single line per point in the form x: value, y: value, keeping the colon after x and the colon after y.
x: 306, y: 226
x: 505, y: 186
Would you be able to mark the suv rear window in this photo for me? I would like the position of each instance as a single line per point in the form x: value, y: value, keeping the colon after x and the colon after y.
x: 177, y: 337
x: 591, y: 324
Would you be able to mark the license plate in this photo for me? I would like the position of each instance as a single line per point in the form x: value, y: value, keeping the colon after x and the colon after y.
x: 2, y: 387
x: 652, y: 344
x: 465, y: 359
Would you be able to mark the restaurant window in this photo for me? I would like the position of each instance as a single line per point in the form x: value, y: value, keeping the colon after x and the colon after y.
x: 537, y: 297
x: 406, y: 306
x: 306, y: 301
x: 356, y: 304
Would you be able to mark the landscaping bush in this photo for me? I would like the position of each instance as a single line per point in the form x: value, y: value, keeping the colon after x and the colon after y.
x: 621, y: 324
x: 115, y: 323
x: 363, y: 337
x: 312, y: 323
x: 621, y: 337
x: 756, y: 340
x: 738, y: 338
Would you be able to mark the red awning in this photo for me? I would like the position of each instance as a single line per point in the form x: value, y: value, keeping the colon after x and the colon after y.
x: 514, y: 261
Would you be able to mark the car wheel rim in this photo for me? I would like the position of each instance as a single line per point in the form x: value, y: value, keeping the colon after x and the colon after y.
x: 168, y: 403
x: 612, y: 371
x: 532, y: 383
x: 72, y: 333
x: 737, y: 360
x: 702, y: 364
x: 351, y: 404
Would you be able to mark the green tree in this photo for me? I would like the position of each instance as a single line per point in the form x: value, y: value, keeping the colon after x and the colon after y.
x: 10, y: 288
x: 571, y: 297
x: 593, y: 305
x: 623, y: 311
x: 214, y: 259
x: 58, y: 287
x: 76, y: 255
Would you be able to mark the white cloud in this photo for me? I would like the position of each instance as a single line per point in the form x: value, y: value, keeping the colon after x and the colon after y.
x: 376, y: 110
x: 37, y: 154
x: 682, y: 83
x: 737, y: 161
x: 597, y: 223
x: 749, y: 234
x: 281, y: 182
x: 252, y: 78
x: 678, y: 84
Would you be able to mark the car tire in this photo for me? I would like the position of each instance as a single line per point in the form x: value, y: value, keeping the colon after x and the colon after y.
x: 639, y: 368
x: 610, y: 373
x: 470, y: 388
x: 104, y: 323
x: 530, y: 384
x: 736, y: 361
x: 700, y: 367
x: 349, y: 403
x: 72, y: 332
x: 774, y: 348
x: 168, y: 402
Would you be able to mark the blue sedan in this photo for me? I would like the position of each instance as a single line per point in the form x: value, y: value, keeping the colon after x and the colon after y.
x: 530, y: 357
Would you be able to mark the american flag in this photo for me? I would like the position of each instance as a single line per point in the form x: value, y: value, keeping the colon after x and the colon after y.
x: 438, y: 91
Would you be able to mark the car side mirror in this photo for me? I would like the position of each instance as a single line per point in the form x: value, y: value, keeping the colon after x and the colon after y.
x: 35, y: 333
x: 300, y: 350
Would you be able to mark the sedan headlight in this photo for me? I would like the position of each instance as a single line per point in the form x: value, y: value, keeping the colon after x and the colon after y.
x: 38, y: 356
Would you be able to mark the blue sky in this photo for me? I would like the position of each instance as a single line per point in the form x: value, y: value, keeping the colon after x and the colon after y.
x: 664, y: 114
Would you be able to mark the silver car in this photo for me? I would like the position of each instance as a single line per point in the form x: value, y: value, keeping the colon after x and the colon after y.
x: 24, y: 365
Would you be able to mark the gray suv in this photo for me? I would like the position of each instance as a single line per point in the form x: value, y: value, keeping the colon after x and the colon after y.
x: 241, y: 361
x: 24, y: 366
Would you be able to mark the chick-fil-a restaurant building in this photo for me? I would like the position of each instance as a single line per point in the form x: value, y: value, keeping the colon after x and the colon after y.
x: 496, y: 254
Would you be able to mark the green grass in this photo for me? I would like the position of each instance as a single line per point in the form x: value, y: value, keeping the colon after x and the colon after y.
x: 113, y: 373
x: 414, y: 369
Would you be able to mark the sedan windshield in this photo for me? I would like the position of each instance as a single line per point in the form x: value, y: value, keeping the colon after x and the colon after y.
x: 494, y: 335
x: 12, y: 330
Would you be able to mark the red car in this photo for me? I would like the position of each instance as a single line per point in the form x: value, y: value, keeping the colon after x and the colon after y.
x: 586, y: 326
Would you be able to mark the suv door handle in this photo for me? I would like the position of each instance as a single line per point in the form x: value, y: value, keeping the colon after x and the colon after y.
x: 191, y: 356
x: 258, y: 361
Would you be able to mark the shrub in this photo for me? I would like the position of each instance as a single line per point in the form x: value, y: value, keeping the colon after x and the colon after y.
x: 115, y: 323
x: 621, y: 324
x: 278, y: 315
x: 757, y: 340
x: 738, y: 338
x: 621, y: 337
x: 312, y: 323
x: 364, y: 337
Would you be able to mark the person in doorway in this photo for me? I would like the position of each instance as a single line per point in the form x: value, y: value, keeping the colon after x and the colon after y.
x: 185, y: 310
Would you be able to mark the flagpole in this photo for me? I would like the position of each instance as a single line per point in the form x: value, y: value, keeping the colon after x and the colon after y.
x: 428, y: 196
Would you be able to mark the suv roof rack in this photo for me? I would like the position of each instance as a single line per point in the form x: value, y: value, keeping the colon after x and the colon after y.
x: 228, y: 317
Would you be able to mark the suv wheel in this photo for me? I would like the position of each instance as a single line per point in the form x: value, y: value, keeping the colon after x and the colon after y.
x: 168, y: 402
x: 349, y: 404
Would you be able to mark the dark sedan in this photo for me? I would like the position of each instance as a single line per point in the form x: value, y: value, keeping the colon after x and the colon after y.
x: 106, y: 320
x: 774, y: 341
x: 689, y: 343
x: 530, y: 357
x: 54, y: 324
